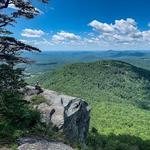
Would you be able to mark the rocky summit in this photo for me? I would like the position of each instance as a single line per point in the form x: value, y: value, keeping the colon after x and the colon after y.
x: 66, y: 114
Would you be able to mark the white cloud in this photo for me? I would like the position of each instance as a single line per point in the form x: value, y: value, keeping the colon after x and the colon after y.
x: 146, y: 35
x: 125, y: 26
x: 120, y: 26
x: 119, y: 32
x: 63, y: 36
x: 32, y: 33
x: 102, y: 27
x: 122, y: 34
x: 41, y: 43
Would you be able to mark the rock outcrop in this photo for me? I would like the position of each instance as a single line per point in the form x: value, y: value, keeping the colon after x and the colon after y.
x: 40, y: 144
x: 66, y: 114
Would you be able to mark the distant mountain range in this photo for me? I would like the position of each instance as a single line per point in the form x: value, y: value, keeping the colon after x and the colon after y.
x: 46, y: 61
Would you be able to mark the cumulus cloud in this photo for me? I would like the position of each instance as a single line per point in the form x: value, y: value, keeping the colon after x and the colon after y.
x: 121, y: 31
x: 63, y: 36
x: 102, y: 27
x: 32, y: 33
x: 121, y: 34
x: 146, y: 35
x: 120, y: 26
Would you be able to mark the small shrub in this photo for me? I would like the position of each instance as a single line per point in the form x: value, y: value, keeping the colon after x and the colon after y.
x: 6, y: 129
x: 38, y: 99
x: 14, y: 147
x: 42, y: 130
x: 17, y: 111
x: 17, y: 116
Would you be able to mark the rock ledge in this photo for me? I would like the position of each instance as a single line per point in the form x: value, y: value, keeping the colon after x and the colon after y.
x: 67, y: 114
x: 39, y: 144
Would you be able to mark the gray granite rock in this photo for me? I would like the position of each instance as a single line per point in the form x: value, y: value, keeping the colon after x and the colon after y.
x: 67, y: 114
x: 40, y: 144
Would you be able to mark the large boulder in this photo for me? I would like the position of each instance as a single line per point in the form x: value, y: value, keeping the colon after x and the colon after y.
x: 65, y: 113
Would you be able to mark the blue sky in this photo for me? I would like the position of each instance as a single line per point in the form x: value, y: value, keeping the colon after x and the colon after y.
x: 88, y: 25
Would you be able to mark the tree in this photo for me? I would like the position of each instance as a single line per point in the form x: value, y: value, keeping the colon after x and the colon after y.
x: 12, y: 106
x: 10, y: 47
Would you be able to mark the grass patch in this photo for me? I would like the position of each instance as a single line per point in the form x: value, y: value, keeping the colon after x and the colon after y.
x: 38, y: 99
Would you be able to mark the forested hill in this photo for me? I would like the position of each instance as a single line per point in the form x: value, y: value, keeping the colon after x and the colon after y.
x: 100, y: 81
x: 119, y: 95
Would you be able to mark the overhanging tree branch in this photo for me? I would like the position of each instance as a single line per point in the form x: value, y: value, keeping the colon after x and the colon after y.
x: 4, y: 4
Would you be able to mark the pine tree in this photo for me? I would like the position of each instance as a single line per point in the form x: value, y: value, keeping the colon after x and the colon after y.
x: 10, y: 47
x: 12, y: 106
